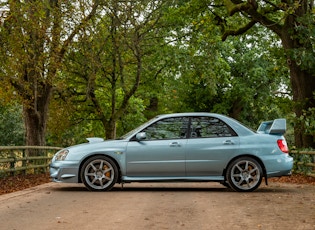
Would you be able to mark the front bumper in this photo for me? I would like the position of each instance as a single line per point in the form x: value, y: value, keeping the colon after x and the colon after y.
x: 64, y: 171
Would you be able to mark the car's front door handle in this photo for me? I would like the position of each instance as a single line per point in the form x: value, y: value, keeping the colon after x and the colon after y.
x: 228, y: 142
x: 174, y: 144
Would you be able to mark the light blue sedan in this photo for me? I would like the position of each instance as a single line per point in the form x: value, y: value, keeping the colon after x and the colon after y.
x: 181, y: 147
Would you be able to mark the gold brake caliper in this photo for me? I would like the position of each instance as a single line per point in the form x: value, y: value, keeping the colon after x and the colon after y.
x: 107, y: 174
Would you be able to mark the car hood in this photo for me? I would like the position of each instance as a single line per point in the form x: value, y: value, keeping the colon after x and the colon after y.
x: 96, y: 146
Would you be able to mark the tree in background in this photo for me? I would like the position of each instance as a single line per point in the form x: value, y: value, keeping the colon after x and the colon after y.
x: 109, y: 63
x: 185, y: 67
x: 34, y: 37
x: 111, y: 66
x: 11, y: 125
x: 293, y: 22
x: 258, y: 78
x: 242, y: 77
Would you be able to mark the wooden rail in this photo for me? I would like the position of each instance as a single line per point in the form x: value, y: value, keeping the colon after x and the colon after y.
x: 306, y: 166
x: 17, y: 159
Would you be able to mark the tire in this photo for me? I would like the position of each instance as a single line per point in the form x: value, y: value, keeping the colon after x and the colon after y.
x: 99, y: 173
x: 244, y: 174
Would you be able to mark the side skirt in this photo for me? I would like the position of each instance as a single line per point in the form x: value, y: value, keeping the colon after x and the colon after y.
x: 172, y: 179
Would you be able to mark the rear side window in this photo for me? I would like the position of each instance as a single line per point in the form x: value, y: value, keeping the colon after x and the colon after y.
x: 207, y: 127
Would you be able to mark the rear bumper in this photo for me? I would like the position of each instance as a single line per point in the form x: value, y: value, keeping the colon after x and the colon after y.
x: 279, y: 174
x: 281, y: 166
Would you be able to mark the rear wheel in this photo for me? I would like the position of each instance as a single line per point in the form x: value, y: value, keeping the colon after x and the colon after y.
x: 99, y: 173
x: 244, y: 174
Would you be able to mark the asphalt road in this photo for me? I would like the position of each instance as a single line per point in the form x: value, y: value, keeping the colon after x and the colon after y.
x: 159, y: 206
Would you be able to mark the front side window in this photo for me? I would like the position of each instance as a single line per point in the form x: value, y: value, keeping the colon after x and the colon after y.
x: 169, y: 128
x: 206, y: 127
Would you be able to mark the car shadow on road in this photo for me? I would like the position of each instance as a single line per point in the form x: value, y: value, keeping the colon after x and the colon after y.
x: 168, y: 188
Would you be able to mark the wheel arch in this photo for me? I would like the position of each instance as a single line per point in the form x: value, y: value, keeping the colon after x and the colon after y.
x: 99, y: 154
x: 246, y: 155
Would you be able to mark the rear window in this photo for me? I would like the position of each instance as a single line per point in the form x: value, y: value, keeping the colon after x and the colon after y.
x: 207, y: 127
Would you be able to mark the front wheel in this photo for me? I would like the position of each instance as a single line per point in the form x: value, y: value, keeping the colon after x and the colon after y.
x: 244, y: 174
x: 99, y: 173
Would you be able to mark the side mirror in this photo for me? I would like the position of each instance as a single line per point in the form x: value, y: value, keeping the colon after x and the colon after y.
x: 141, y: 136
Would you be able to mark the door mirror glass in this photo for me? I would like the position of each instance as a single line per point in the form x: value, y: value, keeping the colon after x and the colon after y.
x: 141, y: 136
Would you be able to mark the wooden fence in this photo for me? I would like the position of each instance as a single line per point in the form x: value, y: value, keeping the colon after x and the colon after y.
x: 17, y: 159
x: 25, y: 159
x: 304, y: 161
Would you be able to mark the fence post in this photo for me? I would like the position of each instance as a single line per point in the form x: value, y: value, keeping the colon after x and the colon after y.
x: 12, y: 165
x: 24, y: 163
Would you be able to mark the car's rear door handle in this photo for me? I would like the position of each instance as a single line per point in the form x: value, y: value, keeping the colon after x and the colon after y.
x: 228, y: 142
x: 174, y: 144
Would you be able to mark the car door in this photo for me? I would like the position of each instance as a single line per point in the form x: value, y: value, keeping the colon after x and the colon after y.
x: 161, y: 153
x: 210, y: 145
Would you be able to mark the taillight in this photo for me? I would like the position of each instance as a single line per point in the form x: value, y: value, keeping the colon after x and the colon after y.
x: 283, y: 145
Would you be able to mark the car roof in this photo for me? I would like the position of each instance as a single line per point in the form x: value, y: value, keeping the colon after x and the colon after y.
x: 236, y: 125
x: 190, y: 114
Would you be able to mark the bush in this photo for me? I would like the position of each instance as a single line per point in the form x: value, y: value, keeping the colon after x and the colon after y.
x: 12, y: 129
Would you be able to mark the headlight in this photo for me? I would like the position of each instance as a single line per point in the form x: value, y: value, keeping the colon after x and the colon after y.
x: 60, y: 156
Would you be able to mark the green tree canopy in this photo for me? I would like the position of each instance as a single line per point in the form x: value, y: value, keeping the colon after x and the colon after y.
x: 34, y: 37
x: 293, y: 22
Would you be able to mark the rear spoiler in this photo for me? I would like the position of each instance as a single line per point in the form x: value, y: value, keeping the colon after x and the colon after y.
x: 277, y: 126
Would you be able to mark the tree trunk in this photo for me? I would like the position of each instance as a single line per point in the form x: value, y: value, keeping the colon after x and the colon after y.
x: 35, y: 113
x: 110, y: 130
x: 302, y: 80
x: 303, y: 85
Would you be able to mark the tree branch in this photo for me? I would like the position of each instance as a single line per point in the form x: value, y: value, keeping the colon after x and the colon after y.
x: 78, y: 28
x: 249, y: 8
x: 234, y: 7
x: 239, y: 31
